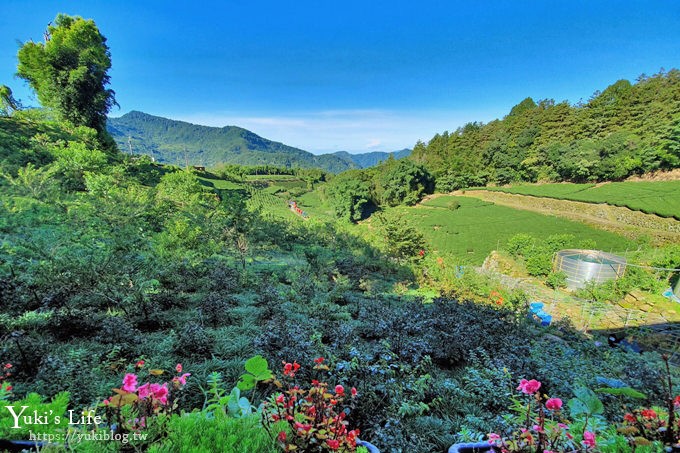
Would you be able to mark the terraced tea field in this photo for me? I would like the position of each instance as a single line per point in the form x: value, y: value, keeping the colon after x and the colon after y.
x: 477, y: 227
x: 651, y: 197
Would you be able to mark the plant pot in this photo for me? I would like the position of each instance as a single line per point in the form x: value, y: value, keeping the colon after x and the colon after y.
x: 472, y: 447
x: 371, y: 448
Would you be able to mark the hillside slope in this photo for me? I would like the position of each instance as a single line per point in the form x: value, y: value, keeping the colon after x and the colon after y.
x: 178, y: 142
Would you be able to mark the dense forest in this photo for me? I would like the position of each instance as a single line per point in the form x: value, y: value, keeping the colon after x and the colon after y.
x: 624, y: 130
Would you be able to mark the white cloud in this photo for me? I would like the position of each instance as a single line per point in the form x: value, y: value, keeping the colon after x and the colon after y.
x: 343, y: 130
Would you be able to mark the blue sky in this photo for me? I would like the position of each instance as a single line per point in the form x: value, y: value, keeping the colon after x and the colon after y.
x: 356, y: 75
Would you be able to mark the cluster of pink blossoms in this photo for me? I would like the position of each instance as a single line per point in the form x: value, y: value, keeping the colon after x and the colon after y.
x: 157, y: 392
x: 541, y: 436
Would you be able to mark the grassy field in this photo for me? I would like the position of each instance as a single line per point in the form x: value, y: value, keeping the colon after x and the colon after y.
x: 468, y: 233
x: 652, y: 197
x: 471, y: 231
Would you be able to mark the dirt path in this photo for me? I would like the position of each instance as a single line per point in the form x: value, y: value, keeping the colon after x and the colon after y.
x: 621, y: 220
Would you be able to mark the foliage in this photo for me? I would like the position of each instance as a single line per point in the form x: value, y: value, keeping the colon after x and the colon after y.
x: 8, y: 104
x: 402, y: 239
x: 69, y: 71
x: 314, y: 416
x: 198, y: 433
x: 621, y: 131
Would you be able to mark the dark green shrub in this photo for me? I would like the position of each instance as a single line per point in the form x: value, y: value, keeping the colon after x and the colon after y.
x: 193, y: 341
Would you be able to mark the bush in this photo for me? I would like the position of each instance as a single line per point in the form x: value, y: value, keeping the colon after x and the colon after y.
x: 194, y: 342
x: 556, y: 280
x: 199, y: 434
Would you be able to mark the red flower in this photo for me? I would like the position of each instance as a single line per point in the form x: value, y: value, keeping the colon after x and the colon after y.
x: 139, y: 364
x: 319, y: 360
x: 630, y: 418
x: 8, y: 388
x: 553, y: 404
x: 354, y: 392
x: 315, y: 383
x: 676, y: 401
x: 333, y: 444
x: 649, y: 413
x: 280, y: 399
x: 300, y: 427
x: 178, y: 368
x: 8, y: 366
x: 289, y: 369
x: 282, y: 436
x: 339, y: 390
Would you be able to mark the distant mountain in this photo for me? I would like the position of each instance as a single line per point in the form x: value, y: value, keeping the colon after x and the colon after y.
x: 178, y: 142
x: 365, y: 160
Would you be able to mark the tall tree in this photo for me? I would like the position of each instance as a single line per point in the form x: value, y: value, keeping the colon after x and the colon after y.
x: 69, y: 71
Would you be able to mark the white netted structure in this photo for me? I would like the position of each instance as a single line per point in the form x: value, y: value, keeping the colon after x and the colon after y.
x: 582, y: 266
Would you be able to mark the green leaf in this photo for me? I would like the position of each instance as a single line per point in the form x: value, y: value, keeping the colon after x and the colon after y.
x: 246, y: 382
x: 257, y: 365
x: 624, y: 391
x: 586, y: 402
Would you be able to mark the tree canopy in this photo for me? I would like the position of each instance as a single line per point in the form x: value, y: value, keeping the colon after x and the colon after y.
x: 69, y: 71
x: 624, y: 130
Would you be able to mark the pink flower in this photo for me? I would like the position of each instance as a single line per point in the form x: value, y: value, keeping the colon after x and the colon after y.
x: 143, y: 391
x: 339, y: 390
x: 282, y: 436
x: 139, y: 364
x: 589, y: 439
x: 181, y: 379
x: 553, y: 404
x: 529, y: 387
x: 354, y: 392
x: 160, y: 392
x: 106, y: 402
x: 493, y: 437
x: 178, y: 368
x: 333, y: 444
x: 280, y: 399
x: 130, y: 382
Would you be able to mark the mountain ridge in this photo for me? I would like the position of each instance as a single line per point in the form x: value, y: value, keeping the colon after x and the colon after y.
x: 180, y: 142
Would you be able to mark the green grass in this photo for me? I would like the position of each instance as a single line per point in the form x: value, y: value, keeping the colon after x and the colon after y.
x: 476, y: 228
x: 222, y: 184
x: 272, y: 177
x: 652, y: 197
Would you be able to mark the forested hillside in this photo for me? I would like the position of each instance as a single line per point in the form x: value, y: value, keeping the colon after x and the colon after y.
x: 624, y: 130
x: 365, y: 160
x: 178, y: 142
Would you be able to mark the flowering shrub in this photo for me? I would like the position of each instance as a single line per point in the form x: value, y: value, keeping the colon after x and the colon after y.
x: 314, y: 416
x: 133, y: 404
x: 643, y: 426
x: 543, y: 426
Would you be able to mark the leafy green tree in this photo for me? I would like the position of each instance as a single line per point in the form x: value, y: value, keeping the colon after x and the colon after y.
x: 403, y: 240
x: 351, y: 198
x: 69, y: 71
x: 404, y: 182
